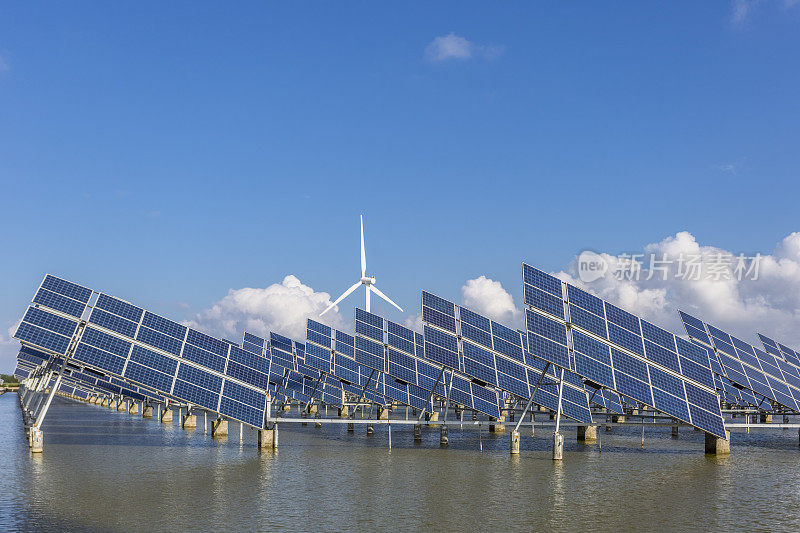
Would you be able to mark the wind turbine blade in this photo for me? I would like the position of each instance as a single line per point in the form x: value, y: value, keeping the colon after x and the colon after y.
x: 379, y: 293
x: 342, y: 297
x: 363, y: 252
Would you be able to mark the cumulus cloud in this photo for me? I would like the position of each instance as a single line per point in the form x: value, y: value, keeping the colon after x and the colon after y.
x: 489, y: 298
x: 743, y: 296
x: 454, y: 47
x: 280, y: 308
x: 9, y: 348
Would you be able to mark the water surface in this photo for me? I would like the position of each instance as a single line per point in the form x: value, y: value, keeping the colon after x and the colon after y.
x: 110, y: 471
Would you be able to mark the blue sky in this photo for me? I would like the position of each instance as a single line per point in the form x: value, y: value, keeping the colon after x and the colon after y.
x: 167, y: 153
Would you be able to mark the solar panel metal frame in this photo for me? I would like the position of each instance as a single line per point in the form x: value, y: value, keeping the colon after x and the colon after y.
x: 615, y: 361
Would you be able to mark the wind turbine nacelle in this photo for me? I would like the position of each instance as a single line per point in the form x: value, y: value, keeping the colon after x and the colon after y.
x: 367, y: 280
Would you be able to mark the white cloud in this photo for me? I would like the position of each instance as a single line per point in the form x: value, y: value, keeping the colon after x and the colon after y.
x: 489, y: 298
x: 414, y: 322
x: 281, y: 308
x: 452, y: 46
x: 741, y: 9
x: 9, y: 348
x: 768, y: 303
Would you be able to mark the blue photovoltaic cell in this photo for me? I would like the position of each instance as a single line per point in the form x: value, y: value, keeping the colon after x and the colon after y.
x: 647, y: 361
x: 59, y: 303
x: 244, y: 395
x: 201, y: 378
x: 119, y: 307
x: 49, y: 321
x: 99, y: 359
x: 113, y: 322
x: 154, y: 360
x: 159, y: 340
x: 67, y: 288
x: 106, y: 342
x: 148, y: 376
x: 196, y: 395
x: 254, y: 339
x: 246, y: 358
x: 208, y: 343
x: 202, y: 357
x: 247, y: 375
x: 239, y: 411
x: 162, y: 325
x: 42, y: 338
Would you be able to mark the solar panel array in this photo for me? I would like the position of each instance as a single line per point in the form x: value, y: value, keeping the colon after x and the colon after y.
x: 131, y: 343
x: 495, y: 354
x: 767, y: 374
x: 398, y: 352
x: 333, y: 353
x: 619, y: 351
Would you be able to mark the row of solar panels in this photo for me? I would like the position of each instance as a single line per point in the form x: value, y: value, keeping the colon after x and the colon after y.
x: 475, y: 361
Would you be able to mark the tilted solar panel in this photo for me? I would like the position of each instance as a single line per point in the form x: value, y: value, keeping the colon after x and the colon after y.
x: 765, y: 373
x: 619, y: 351
x: 496, y: 355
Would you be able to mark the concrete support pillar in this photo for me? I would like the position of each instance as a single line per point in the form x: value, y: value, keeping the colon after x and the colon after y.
x: 370, y: 429
x: 344, y: 412
x: 351, y: 427
x: 147, y: 412
x: 104, y: 403
x: 675, y: 431
x: 618, y: 419
x: 113, y: 404
x: 543, y: 409
x: 514, y: 443
x: 497, y: 428
x: 444, y: 440
x: 417, y: 433
x: 189, y: 421
x: 133, y: 409
x: 718, y: 446
x: 166, y: 416
x: 268, y: 438
x: 219, y: 428
x: 313, y: 409
x: 558, y: 446
x: 587, y: 434
x: 122, y: 407
x: 766, y: 418
x: 383, y: 414
x: 287, y: 406
x: 36, y: 440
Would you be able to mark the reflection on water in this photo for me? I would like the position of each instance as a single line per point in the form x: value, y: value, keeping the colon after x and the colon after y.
x: 105, y: 470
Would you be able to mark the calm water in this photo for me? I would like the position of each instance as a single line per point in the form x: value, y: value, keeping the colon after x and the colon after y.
x: 103, y: 470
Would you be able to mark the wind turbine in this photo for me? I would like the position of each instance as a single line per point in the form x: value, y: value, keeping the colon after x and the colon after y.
x: 367, y: 281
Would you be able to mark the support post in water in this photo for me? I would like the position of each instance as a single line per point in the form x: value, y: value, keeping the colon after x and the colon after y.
x: 515, y: 431
x: 558, y: 438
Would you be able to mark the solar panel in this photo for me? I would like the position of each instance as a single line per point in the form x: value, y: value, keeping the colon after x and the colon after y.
x: 290, y: 377
x: 617, y: 350
x: 411, y: 374
x: 141, y: 350
x: 495, y: 354
x: 766, y: 373
x: 333, y: 353
x: 787, y: 359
